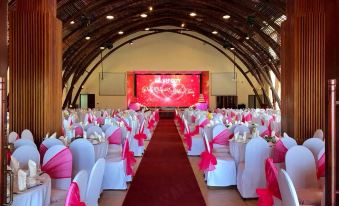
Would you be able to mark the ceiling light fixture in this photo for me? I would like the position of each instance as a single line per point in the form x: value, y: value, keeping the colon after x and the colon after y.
x: 109, y: 17
x: 87, y: 37
x: 192, y: 14
x: 120, y: 32
x: 183, y: 25
x: 226, y: 16
x: 247, y: 37
x: 232, y: 48
x: 143, y: 15
x: 214, y: 32
x: 102, y: 48
x: 150, y: 8
x: 72, y: 22
x: 147, y: 29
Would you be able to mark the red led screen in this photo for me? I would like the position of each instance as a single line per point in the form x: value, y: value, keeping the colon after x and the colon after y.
x: 167, y: 90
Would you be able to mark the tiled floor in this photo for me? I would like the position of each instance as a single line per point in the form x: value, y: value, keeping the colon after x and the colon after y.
x: 215, y: 197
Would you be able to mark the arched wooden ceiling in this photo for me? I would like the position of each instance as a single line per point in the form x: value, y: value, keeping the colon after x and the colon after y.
x: 259, y: 19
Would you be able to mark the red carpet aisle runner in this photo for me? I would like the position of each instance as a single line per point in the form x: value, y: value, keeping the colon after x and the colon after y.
x: 165, y: 176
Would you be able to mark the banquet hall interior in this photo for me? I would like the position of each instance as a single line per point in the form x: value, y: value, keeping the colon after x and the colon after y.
x: 169, y: 102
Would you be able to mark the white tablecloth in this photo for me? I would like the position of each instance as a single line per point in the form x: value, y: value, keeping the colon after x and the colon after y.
x: 100, y: 150
x: 36, y: 196
x: 237, y: 150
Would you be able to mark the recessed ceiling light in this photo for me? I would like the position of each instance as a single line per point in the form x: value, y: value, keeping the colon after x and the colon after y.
x: 214, y: 32
x: 131, y: 42
x: 120, y: 32
x: 192, y: 14
x: 72, y: 22
x: 226, y: 16
x: 232, y: 48
x: 109, y: 17
x: 150, y: 8
x: 147, y: 29
x: 87, y: 37
x: 247, y: 38
x: 183, y: 25
x: 143, y: 15
x: 102, y: 48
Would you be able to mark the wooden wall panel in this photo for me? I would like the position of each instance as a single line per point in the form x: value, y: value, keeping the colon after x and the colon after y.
x: 303, y: 68
x: 35, y: 70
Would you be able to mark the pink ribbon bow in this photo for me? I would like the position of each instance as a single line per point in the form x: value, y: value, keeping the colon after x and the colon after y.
x: 140, y: 137
x: 42, y: 150
x: 321, y: 166
x: 201, y: 125
x: 73, y: 196
x: 126, y: 124
x: 129, y: 157
x: 78, y: 131
x: 221, y: 139
x: 151, y: 123
x: 207, y: 161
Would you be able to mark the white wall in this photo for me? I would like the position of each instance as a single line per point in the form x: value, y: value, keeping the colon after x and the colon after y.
x: 164, y: 52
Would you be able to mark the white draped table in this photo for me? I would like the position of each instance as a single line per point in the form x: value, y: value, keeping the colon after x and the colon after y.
x: 36, y: 196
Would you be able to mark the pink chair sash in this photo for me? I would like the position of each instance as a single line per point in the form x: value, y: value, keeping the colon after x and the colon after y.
x: 321, y: 166
x: 78, y: 131
x: 247, y: 118
x: 221, y: 139
x: 182, y: 125
x: 207, y: 161
x: 126, y: 124
x: 279, y: 152
x: 201, y: 125
x: 193, y: 118
x: 73, y: 196
x: 156, y: 116
x: 59, y: 166
x: 188, y: 140
x: 150, y: 124
x: 8, y: 156
x: 100, y: 120
x: 129, y: 157
x: 115, y: 137
x: 266, y: 195
x: 265, y: 133
x: 89, y: 118
x: 42, y: 150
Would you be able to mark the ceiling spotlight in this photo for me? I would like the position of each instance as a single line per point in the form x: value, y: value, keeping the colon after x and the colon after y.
x: 120, y: 32
x: 214, y: 32
x: 131, y: 42
x: 87, y: 37
x: 102, y: 48
x: 147, y: 29
x: 143, y: 15
x: 109, y: 17
x: 247, y: 37
x: 232, y: 48
x: 192, y: 14
x: 72, y: 22
x: 150, y: 8
x: 183, y: 25
x: 226, y: 16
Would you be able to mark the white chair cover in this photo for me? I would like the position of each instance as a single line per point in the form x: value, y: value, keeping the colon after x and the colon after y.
x: 319, y: 134
x: 95, y: 183
x: 288, y: 142
x: 25, y: 153
x: 241, y: 129
x: 21, y: 142
x: 251, y: 173
x: 83, y: 155
x: 82, y: 180
x: 315, y: 145
x: 198, y: 145
x: 51, y: 142
x: 301, y: 168
x: 92, y: 130
x: 287, y: 190
x: 12, y: 136
x: 27, y: 134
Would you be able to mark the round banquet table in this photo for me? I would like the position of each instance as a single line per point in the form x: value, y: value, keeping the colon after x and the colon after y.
x: 35, y: 196
x: 100, y: 150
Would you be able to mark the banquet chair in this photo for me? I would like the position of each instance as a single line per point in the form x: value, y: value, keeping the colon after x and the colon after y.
x: 288, y: 142
x: 223, y: 173
x: 46, y: 144
x: 57, y: 163
x: 241, y: 129
x: 315, y: 145
x: 301, y: 168
x: 25, y: 153
x: 27, y: 134
x: 21, y: 142
x: 77, y: 192
x: 83, y: 155
x: 137, y: 142
x: 115, y: 176
x: 113, y: 136
x: 287, y: 189
x: 92, y: 130
x: 251, y: 173
x: 195, y: 142
x: 105, y: 127
x: 12, y: 136
x: 263, y: 131
x: 321, y: 168
x: 95, y: 183
x: 319, y: 134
